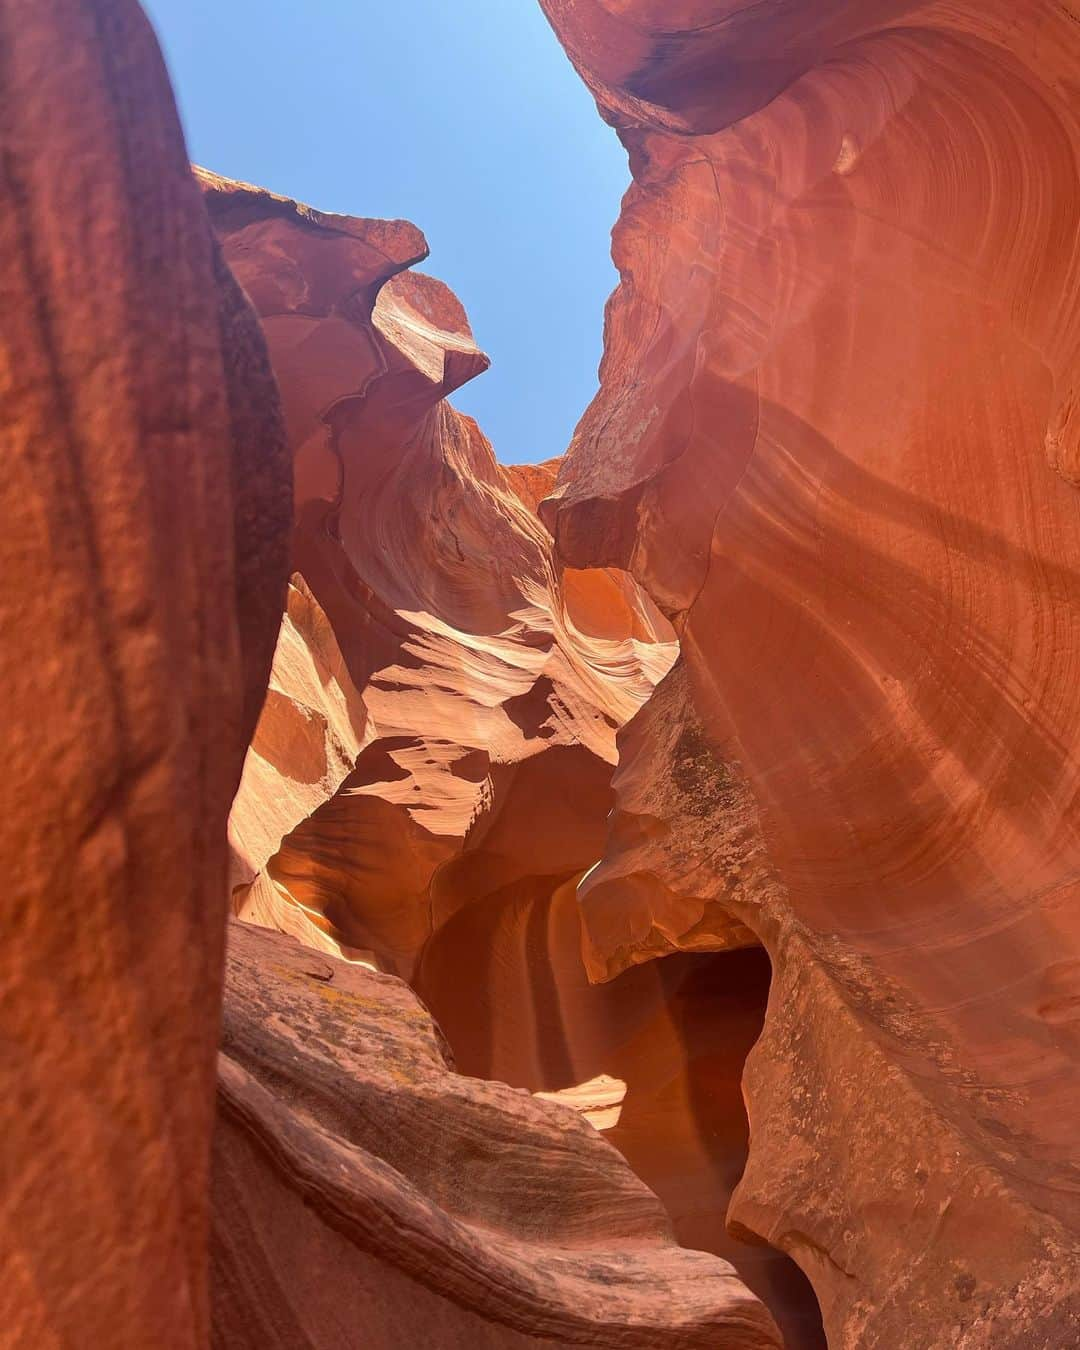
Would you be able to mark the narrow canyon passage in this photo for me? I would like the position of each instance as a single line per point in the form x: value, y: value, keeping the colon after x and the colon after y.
x: 505, y: 980
x: 431, y: 776
x: 862, y: 759
x: 474, y: 702
x: 758, y: 708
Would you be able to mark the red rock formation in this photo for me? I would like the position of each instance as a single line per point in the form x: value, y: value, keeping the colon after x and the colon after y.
x: 533, y: 482
x: 427, y: 1208
x: 653, y: 1059
x: 439, y: 827
x: 483, y: 691
x: 145, y: 506
x: 836, y: 441
x: 313, y: 725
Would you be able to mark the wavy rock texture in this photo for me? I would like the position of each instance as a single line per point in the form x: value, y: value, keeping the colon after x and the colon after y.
x: 465, y: 687
x: 313, y: 726
x: 145, y: 503
x: 428, y: 1208
x: 431, y: 776
x: 836, y: 440
x: 654, y: 1059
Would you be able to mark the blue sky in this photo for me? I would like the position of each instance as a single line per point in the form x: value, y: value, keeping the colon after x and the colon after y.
x: 463, y: 117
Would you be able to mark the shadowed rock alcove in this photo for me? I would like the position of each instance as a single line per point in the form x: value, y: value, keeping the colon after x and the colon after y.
x: 661, y: 1049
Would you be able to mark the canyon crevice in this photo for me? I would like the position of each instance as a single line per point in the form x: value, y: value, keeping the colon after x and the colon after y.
x: 653, y: 873
x: 432, y: 773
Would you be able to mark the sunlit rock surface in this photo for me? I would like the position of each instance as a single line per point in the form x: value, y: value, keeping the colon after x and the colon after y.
x: 145, y: 504
x: 442, y: 715
x: 836, y: 440
x: 433, y: 765
x: 360, y: 1183
x: 836, y: 445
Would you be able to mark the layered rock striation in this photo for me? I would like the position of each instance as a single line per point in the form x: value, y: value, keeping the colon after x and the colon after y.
x: 835, y: 440
x: 429, y: 781
x: 732, y: 754
x: 360, y: 1182
x: 436, y: 677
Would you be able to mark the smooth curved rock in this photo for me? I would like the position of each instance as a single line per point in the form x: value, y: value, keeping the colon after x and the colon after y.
x: 145, y: 500
x: 836, y: 441
x: 491, y: 688
x: 425, y: 1207
x: 653, y: 1059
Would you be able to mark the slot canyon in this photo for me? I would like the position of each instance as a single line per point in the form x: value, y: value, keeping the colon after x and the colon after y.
x: 631, y: 900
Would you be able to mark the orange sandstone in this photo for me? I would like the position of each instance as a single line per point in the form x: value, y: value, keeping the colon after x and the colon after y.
x: 480, y: 690
x: 836, y: 441
x: 145, y: 499
x: 431, y: 776
x: 361, y: 1183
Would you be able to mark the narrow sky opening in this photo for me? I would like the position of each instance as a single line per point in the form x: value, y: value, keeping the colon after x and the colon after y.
x: 466, y: 119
